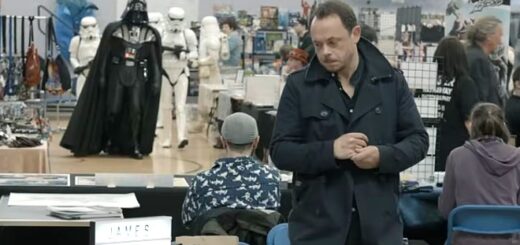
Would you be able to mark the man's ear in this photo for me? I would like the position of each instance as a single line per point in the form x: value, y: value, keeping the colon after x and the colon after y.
x: 356, y: 33
x: 255, y: 142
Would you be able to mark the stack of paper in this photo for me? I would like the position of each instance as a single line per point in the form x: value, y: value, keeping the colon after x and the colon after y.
x: 85, y: 212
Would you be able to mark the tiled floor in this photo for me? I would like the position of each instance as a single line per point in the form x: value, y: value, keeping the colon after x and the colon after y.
x: 197, y: 156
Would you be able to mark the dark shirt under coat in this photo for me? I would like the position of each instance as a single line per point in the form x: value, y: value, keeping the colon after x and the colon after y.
x: 311, y: 115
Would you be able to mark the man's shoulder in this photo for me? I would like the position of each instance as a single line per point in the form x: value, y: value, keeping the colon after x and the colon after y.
x: 298, y: 77
x: 475, y: 54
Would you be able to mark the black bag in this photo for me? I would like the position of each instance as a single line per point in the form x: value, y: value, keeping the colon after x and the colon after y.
x: 57, y: 75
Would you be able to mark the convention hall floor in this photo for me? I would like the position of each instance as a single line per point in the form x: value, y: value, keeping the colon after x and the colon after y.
x: 197, y: 156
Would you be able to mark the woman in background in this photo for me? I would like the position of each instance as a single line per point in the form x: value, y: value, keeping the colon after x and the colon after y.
x: 485, y: 171
x: 513, y: 108
x: 453, y: 72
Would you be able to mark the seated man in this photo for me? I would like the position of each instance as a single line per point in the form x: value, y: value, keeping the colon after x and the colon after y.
x: 237, y: 180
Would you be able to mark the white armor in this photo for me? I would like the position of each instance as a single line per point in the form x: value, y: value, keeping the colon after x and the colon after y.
x: 210, y: 50
x: 180, y: 46
x: 83, y: 49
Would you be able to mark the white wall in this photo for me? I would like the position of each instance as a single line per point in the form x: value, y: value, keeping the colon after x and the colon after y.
x: 107, y: 12
x: 27, y: 8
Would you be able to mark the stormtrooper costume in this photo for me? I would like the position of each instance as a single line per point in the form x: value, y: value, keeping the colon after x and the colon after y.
x: 179, y: 47
x: 213, y: 46
x: 83, y: 49
x: 156, y: 20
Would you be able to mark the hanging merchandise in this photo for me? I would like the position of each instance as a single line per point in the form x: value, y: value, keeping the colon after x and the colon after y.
x: 18, y: 61
x: 22, y: 45
x: 3, y: 67
x: 57, y: 77
x: 32, y: 64
x: 10, y: 85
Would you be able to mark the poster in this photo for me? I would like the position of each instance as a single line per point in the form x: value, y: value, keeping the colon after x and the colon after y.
x: 460, y: 15
x: 269, y: 17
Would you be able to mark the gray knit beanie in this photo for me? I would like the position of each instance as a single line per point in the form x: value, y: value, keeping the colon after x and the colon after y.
x: 239, y: 129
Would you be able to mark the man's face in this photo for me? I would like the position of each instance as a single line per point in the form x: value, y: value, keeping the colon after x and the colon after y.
x: 335, y: 46
x: 495, y: 40
x: 226, y: 29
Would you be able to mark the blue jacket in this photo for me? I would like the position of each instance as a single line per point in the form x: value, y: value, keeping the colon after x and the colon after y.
x: 235, y: 50
x: 311, y: 115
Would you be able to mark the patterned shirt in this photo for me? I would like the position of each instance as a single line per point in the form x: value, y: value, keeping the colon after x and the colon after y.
x: 240, y: 182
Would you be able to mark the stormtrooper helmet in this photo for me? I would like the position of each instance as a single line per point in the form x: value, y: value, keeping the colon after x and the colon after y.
x: 156, y: 20
x: 89, y: 28
x: 209, y: 25
x: 176, y: 19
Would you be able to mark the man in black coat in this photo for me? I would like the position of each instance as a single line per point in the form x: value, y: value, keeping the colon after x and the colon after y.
x: 346, y: 126
x: 484, y: 37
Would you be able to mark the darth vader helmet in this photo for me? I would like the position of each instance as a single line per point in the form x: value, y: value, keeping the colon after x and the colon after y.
x: 135, y: 12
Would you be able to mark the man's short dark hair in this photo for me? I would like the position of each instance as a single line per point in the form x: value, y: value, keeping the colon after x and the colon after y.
x: 341, y: 9
x: 230, y: 22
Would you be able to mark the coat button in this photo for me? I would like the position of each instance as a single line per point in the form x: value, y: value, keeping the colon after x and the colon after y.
x: 324, y: 113
x: 378, y: 110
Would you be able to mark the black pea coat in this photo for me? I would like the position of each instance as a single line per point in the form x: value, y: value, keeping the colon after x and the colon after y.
x: 311, y: 115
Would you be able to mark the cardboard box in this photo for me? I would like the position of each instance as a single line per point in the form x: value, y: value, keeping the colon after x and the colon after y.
x: 206, y: 240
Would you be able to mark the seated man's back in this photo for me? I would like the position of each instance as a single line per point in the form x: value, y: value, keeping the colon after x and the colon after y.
x: 236, y: 181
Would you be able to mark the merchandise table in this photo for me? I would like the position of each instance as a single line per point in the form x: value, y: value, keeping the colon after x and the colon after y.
x: 25, y: 160
x: 419, y: 211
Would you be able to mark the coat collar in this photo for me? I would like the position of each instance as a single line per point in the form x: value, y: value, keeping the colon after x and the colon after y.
x: 377, y: 65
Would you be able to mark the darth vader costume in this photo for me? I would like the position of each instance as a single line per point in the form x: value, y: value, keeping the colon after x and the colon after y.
x: 118, y: 107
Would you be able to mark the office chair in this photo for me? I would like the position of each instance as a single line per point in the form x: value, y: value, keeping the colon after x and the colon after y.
x: 484, y: 219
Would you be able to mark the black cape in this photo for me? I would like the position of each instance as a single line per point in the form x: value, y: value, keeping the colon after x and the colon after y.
x: 86, y: 132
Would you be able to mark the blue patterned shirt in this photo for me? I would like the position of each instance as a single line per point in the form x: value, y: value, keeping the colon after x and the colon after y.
x: 240, y: 182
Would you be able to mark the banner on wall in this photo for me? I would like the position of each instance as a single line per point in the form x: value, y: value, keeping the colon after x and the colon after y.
x: 460, y: 15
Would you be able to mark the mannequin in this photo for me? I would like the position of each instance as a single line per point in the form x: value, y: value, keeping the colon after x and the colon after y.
x: 180, y: 46
x: 211, y: 49
x: 213, y: 46
x: 117, y: 111
x: 83, y: 49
